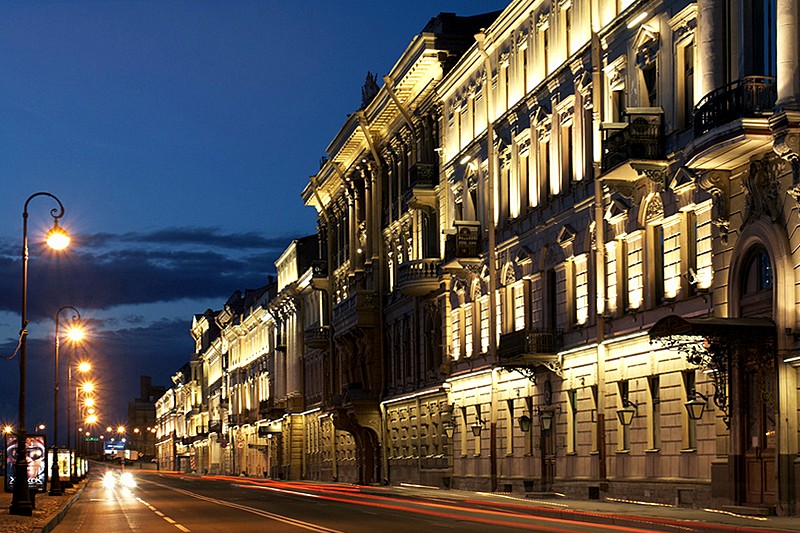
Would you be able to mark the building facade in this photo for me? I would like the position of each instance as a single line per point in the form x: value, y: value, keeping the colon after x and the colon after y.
x: 557, y: 253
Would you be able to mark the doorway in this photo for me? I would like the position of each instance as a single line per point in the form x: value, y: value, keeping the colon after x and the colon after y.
x: 759, y: 445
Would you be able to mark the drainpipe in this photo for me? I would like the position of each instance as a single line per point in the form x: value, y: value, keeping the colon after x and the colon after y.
x: 480, y: 38
x: 600, y: 252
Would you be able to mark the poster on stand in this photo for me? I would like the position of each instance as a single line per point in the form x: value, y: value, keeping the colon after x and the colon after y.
x: 37, y: 462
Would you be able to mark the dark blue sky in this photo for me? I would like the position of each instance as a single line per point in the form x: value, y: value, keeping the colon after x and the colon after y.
x: 178, y: 135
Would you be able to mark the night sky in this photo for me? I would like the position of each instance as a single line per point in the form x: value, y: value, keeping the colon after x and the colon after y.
x: 178, y: 135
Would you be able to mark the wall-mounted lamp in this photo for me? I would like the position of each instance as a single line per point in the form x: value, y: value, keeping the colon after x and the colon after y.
x: 449, y: 429
x: 696, y: 405
x: 524, y: 423
x: 477, y: 427
x: 627, y: 412
x: 546, y: 416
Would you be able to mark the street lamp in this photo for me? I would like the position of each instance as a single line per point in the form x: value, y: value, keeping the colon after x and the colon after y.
x: 83, y: 367
x: 57, y: 239
x: 86, y: 388
x: 75, y: 335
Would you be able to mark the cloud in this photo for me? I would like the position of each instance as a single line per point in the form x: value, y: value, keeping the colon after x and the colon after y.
x: 208, y: 236
x: 106, y: 270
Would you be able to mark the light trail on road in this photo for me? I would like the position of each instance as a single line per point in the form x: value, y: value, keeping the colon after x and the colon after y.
x: 353, y: 495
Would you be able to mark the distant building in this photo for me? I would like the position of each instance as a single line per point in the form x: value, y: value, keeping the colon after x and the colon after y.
x: 141, y: 427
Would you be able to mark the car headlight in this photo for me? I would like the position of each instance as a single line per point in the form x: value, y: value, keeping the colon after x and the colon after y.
x: 108, y: 480
x: 127, y: 480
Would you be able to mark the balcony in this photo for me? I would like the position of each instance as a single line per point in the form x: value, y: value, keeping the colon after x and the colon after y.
x: 267, y: 409
x: 422, y: 181
x: 360, y: 308
x: 639, y: 141
x: 462, y: 244
x: 319, y: 274
x: 749, y: 97
x: 317, y: 337
x: 247, y: 416
x: 732, y: 122
x: 418, y: 277
x: 528, y: 349
x: 215, y: 426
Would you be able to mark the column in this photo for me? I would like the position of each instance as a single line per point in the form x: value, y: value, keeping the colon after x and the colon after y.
x: 711, y: 49
x: 788, y: 17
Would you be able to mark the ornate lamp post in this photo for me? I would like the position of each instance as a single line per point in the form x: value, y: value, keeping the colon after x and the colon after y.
x: 82, y: 367
x: 75, y: 335
x: 58, y: 239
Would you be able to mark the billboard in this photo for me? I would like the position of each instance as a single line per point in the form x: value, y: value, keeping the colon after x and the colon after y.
x: 37, y: 462
x: 64, y: 464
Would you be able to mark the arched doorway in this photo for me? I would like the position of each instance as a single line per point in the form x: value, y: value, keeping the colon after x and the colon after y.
x: 757, y: 430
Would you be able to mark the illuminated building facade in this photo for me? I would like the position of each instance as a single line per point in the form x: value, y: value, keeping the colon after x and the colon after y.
x: 600, y: 302
x: 636, y: 214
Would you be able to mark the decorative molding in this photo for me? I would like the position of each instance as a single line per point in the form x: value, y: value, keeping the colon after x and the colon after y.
x: 624, y: 188
x: 656, y: 176
x: 566, y: 239
x: 522, y: 40
x: 647, y: 44
x: 654, y: 208
x: 787, y: 146
x: 717, y: 184
x: 543, y: 20
x: 762, y: 189
x: 684, y: 23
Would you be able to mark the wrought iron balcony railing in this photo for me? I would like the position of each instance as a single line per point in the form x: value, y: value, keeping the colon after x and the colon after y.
x: 641, y: 139
x: 465, y: 242
x: 530, y: 342
x: 750, y: 97
x: 319, y: 268
x: 423, y: 175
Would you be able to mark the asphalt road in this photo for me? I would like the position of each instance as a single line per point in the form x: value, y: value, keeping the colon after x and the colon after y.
x: 161, y: 503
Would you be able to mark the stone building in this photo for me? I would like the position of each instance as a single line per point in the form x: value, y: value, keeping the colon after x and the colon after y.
x: 557, y: 252
x: 379, y: 228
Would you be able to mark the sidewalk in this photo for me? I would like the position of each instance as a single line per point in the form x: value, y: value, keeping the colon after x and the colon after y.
x: 619, y: 513
x: 47, y: 514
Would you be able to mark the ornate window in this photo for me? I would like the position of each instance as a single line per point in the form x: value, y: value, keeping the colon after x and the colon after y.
x: 757, y: 284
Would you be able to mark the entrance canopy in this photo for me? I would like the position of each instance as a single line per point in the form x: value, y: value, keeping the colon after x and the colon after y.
x: 712, y: 327
x: 717, y: 344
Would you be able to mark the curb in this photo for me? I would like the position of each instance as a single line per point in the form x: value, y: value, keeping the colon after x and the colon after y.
x: 57, y: 517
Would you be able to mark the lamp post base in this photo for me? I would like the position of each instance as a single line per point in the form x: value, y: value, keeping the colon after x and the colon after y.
x: 55, y: 478
x: 21, y: 508
x: 21, y: 501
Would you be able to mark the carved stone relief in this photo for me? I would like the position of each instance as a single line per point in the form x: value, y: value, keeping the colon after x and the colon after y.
x: 717, y: 184
x: 787, y: 146
x: 762, y: 189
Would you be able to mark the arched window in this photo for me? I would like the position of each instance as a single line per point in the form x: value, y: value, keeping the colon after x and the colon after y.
x: 757, y: 284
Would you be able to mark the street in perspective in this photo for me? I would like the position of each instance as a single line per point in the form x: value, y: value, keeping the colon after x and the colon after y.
x: 119, y: 500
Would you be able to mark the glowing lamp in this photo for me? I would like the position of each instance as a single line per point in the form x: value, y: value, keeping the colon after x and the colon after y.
x: 57, y: 238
